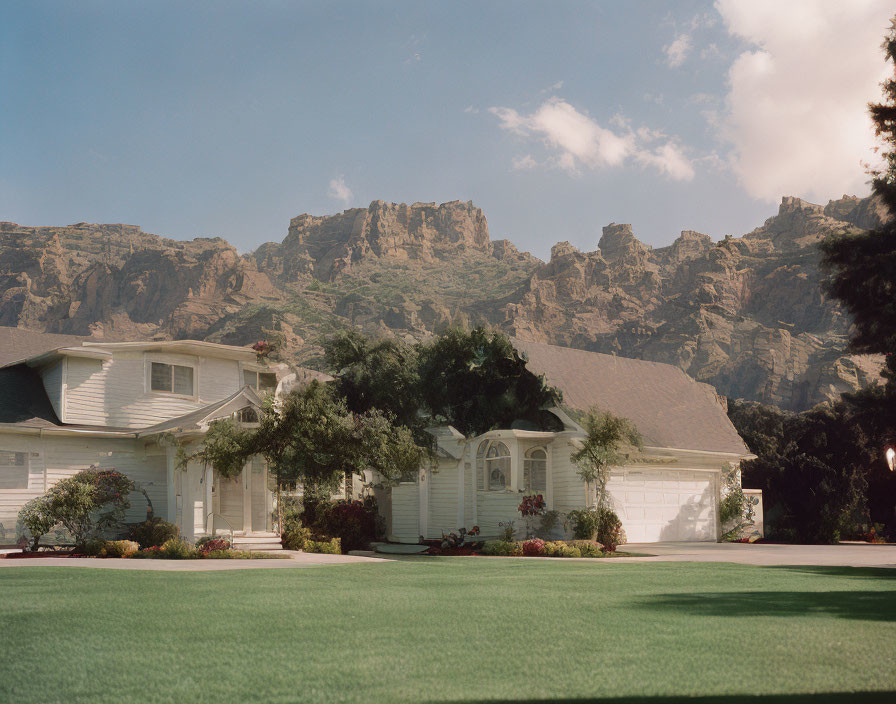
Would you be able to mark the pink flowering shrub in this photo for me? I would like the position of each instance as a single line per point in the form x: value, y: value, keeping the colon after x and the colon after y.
x: 533, y: 548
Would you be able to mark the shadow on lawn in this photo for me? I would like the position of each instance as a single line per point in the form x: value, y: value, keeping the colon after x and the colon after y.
x: 829, y: 698
x: 851, y: 572
x: 858, y: 605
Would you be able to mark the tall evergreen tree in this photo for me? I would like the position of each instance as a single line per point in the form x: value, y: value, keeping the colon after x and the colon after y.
x: 863, y: 266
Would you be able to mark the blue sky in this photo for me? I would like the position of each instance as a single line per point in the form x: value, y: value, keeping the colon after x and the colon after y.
x: 227, y: 119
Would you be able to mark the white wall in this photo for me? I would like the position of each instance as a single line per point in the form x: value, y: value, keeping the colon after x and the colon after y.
x: 55, y: 458
x: 443, y: 497
x: 116, y: 392
x: 405, y: 513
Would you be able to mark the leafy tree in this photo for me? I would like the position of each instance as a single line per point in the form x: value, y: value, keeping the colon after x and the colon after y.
x: 377, y: 374
x: 312, y: 437
x: 476, y: 381
x: 86, y: 504
x: 812, y: 468
x: 606, y: 438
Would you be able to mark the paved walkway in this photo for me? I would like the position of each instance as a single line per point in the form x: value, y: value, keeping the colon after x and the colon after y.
x: 843, y: 555
x: 297, y: 559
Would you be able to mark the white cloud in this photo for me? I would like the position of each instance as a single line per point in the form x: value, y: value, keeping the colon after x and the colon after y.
x: 340, y: 191
x: 577, y: 140
x: 524, y: 163
x: 796, y: 111
x: 678, y: 50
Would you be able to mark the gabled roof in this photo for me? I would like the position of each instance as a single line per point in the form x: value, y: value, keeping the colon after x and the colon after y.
x: 668, y: 407
x: 196, y: 419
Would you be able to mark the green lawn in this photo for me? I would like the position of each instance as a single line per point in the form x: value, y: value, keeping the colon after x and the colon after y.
x: 448, y: 629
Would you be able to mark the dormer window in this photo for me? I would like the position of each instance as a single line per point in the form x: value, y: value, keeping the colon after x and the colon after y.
x: 263, y: 382
x: 171, y: 378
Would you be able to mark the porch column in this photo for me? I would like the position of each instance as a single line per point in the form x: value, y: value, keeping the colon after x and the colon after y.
x: 209, y: 501
x: 172, y: 492
x: 423, y: 487
x: 247, y: 497
x: 461, y: 481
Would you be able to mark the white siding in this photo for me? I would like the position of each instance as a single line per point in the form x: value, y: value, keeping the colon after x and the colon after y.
x: 405, y: 513
x: 496, y: 507
x: 52, y: 378
x: 443, y: 499
x: 57, y: 458
x: 115, y: 392
x: 568, y: 488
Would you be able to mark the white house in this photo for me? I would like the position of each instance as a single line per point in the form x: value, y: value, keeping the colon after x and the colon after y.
x: 670, y: 492
x: 68, y: 403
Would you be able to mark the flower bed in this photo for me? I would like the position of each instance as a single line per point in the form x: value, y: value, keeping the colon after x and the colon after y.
x: 529, y: 548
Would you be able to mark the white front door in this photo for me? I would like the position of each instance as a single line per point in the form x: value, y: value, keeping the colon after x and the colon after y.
x: 665, y: 505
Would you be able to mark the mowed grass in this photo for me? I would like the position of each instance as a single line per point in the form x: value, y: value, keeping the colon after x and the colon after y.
x: 448, y: 629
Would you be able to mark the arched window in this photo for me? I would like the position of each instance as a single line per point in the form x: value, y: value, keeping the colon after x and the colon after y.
x: 492, y: 466
x: 535, y: 471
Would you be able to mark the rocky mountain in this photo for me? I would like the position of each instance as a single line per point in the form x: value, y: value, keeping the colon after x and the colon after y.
x: 745, y: 314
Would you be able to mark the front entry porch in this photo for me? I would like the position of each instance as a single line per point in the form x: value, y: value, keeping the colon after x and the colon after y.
x: 241, y: 506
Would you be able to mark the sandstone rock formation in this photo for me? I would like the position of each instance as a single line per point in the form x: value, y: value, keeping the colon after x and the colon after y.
x: 746, y: 314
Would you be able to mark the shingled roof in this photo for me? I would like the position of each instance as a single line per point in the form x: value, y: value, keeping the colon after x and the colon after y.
x: 18, y: 344
x: 668, y: 407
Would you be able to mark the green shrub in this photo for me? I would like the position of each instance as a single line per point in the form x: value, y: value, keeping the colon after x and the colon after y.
x: 37, y: 517
x: 178, y: 549
x: 296, y: 538
x: 504, y: 548
x: 588, y: 548
x: 242, y: 555
x: 90, y: 502
x: 152, y: 532
x: 119, y: 548
x: 569, y: 551
x: 609, y: 530
x: 328, y: 547
x: 291, y: 510
x: 583, y: 523
x: 93, y: 548
x: 353, y: 522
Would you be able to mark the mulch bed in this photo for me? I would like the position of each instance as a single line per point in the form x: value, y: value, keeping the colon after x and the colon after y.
x: 36, y: 555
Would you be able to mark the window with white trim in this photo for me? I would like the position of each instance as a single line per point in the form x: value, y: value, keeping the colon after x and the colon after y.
x: 171, y: 378
x: 263, y: 382
x: 535, y: 471
x: 13, y: 470
x: 492, y: 466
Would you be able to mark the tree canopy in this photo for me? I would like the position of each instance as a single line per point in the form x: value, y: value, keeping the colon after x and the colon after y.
x: 473, y: 380
x: 862, y: 267
x: 311, y: 436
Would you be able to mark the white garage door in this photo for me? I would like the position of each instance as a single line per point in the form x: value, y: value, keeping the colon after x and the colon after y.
x: 665, y: 505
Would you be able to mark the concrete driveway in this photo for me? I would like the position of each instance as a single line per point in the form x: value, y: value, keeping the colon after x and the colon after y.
x: 842, y: 555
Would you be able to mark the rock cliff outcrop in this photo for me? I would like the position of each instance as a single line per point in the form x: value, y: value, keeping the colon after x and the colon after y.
x: 746, y: 314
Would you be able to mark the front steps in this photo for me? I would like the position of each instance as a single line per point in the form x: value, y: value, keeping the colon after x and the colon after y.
x: 257, y: 541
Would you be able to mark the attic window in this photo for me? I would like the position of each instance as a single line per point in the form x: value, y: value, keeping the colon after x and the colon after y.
x: 247, y: 415
x: 265, y: 382
x: 13, y: 470
x: 171, y: 378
